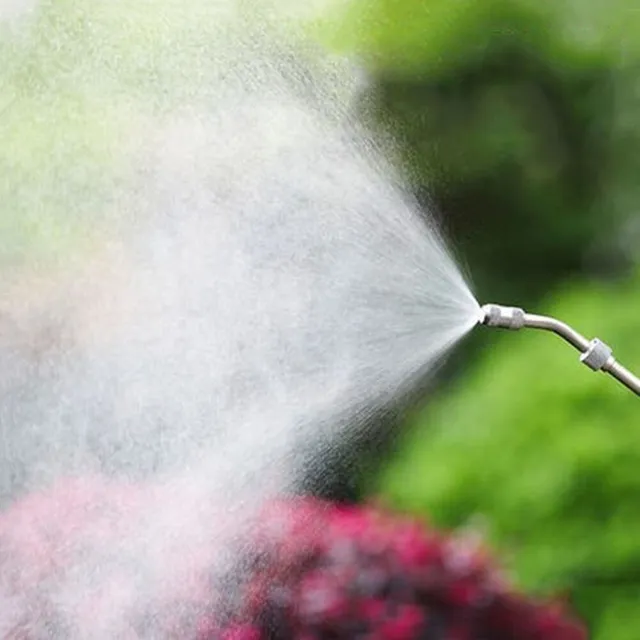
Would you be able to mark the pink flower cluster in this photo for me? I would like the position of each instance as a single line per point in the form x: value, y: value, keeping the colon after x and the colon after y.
x: 308, y: 570
x: 331, y: 572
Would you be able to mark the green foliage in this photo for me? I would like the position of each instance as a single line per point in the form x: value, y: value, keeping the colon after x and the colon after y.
x: 548, y: 453
x: 509, y: 115
x: 406, y: 38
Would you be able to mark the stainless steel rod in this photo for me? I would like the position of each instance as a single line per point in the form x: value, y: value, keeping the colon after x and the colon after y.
x: 623, y: 375
x: 559, y: 328
x: 595, y: 353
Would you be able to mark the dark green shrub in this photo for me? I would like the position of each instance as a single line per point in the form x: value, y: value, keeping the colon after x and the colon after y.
x: 507, y: 119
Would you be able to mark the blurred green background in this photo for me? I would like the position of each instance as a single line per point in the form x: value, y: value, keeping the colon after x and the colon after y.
x: 519, y: 123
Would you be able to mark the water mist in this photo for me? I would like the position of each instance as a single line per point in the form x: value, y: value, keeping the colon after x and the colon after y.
x: 262, y: 284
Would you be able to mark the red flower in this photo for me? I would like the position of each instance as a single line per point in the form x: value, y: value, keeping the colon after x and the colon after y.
x: 345, y: 572
x: 314, y: 571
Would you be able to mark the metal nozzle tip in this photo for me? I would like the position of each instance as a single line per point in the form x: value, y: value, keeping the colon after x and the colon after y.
x: 485, y: 312
x: 495, y: 315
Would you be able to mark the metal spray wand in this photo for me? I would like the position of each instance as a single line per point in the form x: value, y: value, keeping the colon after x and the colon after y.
x: 595, y: 354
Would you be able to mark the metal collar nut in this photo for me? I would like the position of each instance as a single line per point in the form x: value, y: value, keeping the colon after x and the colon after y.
x: 597, y: 356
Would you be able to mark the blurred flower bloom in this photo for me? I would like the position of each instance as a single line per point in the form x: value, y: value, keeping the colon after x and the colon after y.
x: 306, y: 569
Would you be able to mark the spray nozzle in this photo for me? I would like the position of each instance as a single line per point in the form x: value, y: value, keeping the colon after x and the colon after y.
x: 495, y: 315
x: 594, y: 353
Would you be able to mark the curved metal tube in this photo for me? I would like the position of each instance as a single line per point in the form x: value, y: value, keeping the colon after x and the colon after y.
x: 558, y: 327
x: 595, y: 354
